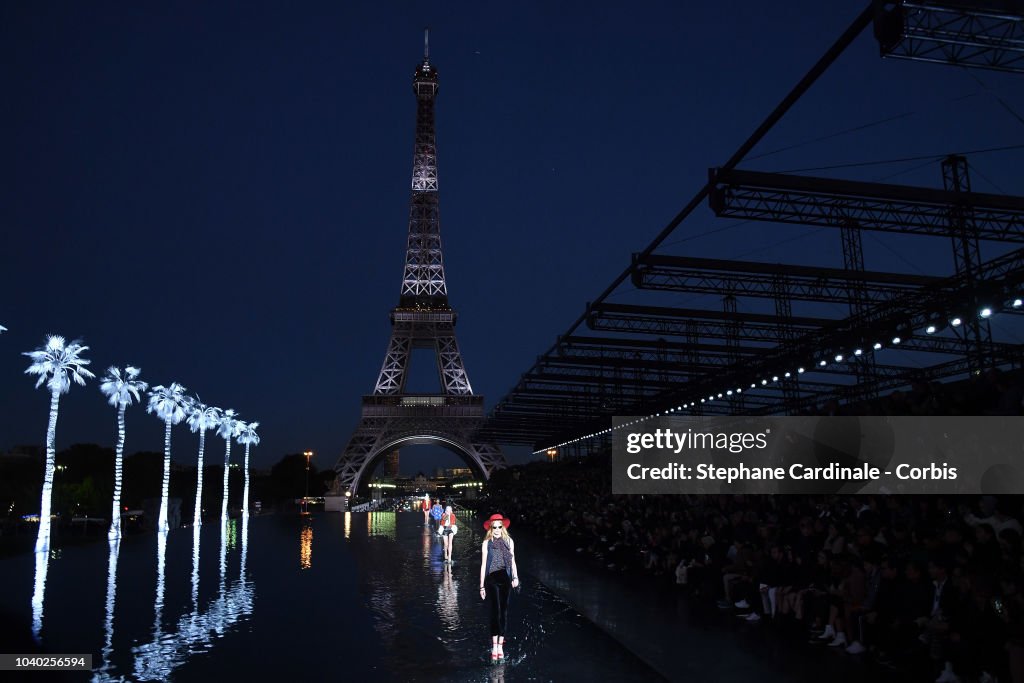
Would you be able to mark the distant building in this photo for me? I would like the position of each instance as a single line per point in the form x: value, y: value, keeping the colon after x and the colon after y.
x: 452, y: 472
x: 391, y: 465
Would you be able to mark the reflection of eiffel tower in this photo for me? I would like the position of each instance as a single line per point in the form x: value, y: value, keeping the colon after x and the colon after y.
x: 392, y: 418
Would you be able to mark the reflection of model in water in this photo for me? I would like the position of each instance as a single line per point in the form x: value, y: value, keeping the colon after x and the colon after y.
x: 449, y: 527
x: 498, y: 576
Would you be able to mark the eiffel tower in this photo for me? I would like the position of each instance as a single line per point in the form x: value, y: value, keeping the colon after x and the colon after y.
x: 390, y: 417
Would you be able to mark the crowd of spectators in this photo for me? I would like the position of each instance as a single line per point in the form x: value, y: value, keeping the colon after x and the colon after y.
x: 932, y: 586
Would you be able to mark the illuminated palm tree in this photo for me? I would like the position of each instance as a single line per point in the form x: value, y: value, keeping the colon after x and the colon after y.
x: 249, y: 437
x: 201, y: 417
x: 57, y: 363
x: 169, y: 404
x: 228, y: 428
x: 120, y: 390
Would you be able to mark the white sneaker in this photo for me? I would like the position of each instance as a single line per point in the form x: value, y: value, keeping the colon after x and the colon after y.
x: 840, y: 641
x: 828, y: 634
x: 753, y: 617
x: 742, y: 604
x: 856, y: 648
x: 947, y: 675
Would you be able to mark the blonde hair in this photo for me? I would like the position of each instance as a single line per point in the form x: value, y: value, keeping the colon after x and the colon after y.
x: 490, y: 534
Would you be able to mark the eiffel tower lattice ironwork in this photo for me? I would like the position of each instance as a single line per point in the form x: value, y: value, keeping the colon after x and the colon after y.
x: 390, y: 417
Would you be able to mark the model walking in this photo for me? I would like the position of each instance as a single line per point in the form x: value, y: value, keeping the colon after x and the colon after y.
x: 498, y: 576
x: 449, y: 527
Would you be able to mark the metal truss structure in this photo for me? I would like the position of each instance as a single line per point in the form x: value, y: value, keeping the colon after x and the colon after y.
x: 833, y: 203
x: 748, y: 353
x: 391, y: 418
x: 987, y: 35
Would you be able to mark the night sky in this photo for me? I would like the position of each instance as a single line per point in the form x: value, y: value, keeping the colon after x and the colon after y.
x: 218, y: 192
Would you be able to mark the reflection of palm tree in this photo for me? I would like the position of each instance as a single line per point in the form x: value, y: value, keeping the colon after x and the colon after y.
x: 157, y: 659
x: 57, y: 364
x: 119, y: 392
x: 169, y: 404
x: 38, y: 591
x: 228, y: 428
x: 108, y: 623
x: 249, y: 437
x: 201, y: 417
x: 161, y: 581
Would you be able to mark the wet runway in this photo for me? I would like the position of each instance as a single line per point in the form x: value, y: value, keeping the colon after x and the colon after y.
x: 286, y: 597
x: 434, y: 626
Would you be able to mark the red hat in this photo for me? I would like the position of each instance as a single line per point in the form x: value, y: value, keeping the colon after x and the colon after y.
x: 497, y: 518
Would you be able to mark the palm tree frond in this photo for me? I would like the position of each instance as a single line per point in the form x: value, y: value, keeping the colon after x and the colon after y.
x: 55, y: 360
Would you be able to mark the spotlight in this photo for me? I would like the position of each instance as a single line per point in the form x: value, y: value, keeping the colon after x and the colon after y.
x: 876, y: 346
x: 896, y: 340
x: 985, y: 312
x: 775, y: 378
x: 1017, y: 303
x: 858, y: 352
x: 822, y: 362
x: 800, y: 370
x: 729, y: 393
x: 764, y: 382
x: 956, y: 321
x: 936, y: 321
x: 839, y: 358
x: 787, y: 374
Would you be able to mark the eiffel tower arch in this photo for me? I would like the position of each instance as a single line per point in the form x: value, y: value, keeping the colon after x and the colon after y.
x: 390, y: 417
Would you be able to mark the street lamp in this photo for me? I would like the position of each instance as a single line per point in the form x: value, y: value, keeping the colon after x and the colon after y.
x: 309, y: 456
x: 552, y: 453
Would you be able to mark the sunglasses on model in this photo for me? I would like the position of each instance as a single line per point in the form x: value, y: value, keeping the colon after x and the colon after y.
x: 497, y: 526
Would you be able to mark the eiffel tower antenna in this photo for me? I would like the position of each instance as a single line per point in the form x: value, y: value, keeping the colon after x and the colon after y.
x: 391, y: 417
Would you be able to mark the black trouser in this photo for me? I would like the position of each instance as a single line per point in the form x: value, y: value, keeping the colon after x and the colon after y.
x: 499, y: 586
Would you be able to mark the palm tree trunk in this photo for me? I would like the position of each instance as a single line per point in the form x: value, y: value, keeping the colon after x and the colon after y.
x: 227, y: 462
x: 162, y: 519
x: 43, y: 539
x: 198, y: 516
x: 115, y: 515
x: 245, y: 489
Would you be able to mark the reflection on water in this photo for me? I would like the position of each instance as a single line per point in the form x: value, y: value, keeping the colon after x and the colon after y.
x: 39, y: 591
x: 195, y: 566
x: 306, y: 543
x: 448, y: 601
x: 161, y: 566
x: 108, y: 621
x: 381, y: 524
x: 194, y: 632
x: 348, y: 525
